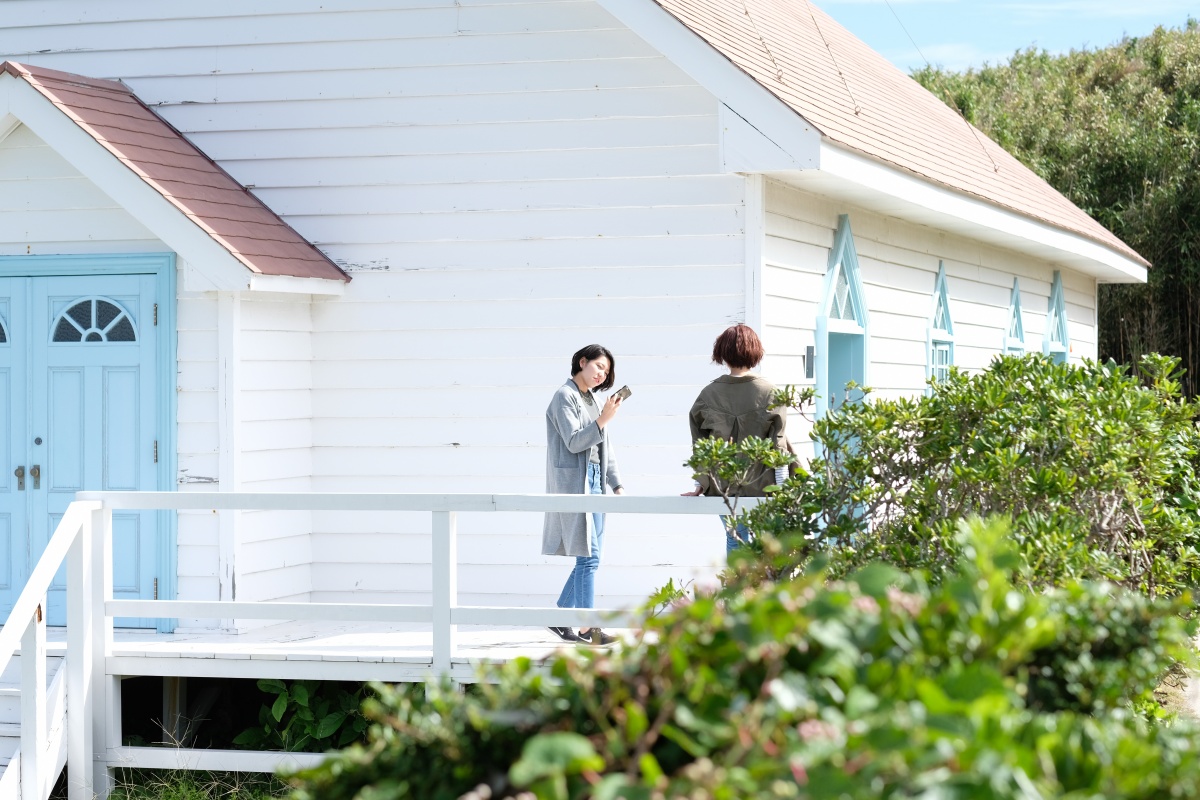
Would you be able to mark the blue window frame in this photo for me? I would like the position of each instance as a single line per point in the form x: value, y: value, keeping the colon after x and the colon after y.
x: 842, y: 325
x: 1056, y: 342
x: 1014, y: 336
x: 940, y: 344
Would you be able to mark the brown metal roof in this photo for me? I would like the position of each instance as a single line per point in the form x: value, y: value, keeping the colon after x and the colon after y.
x: 859, y: 100
x: 160, y: 155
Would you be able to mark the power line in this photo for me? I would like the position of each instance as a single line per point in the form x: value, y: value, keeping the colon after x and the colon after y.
x: 974, y: 132
x: 833, y: 58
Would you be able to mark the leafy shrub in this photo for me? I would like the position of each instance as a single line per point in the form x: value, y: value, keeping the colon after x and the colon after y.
x: 306, y: 716
x: 879, y: 686
x: 1093, y: 465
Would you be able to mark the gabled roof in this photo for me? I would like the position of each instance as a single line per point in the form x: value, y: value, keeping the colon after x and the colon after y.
x: 188, y: 179
x: 860, y: 101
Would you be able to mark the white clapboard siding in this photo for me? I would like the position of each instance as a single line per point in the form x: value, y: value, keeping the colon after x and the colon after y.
x: 47, y: 206
x: 899, y: 263
x: 274, y: 445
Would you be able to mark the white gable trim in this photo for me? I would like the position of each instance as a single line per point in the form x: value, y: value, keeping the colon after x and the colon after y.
x: 792, y: 139
x: 896, y: 193
x: 20, y: 104
x: 8, y: 124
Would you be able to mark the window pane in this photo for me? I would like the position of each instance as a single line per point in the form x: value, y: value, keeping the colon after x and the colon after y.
x: 82, y: 314
x: 66, y: 332
x: 105, y: 314
x: 122, y: 331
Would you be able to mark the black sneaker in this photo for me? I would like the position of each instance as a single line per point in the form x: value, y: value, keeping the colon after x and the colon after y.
x: 596, y: 638
x: 566, y: 634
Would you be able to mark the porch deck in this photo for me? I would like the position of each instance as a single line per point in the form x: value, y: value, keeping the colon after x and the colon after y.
x: 321, y: 650
x: 313, y: 640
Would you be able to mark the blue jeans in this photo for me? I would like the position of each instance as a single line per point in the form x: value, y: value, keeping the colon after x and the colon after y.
x: 733, y: 542
x: 580, y: 588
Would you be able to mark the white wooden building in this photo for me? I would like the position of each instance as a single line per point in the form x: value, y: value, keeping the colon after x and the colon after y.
x: 489, y: 185
x: 498, y: 184
x: 327, y: 247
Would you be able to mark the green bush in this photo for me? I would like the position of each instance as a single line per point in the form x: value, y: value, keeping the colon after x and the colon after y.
x: 882, y: 685
x: 1094, y: 466
x: 306, y: 716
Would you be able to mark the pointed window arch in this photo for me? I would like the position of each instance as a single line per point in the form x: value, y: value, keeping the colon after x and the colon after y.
x: 1014, y: 336
x: 940, y: 350
x: 1056, y: 341
x: 842, y: 324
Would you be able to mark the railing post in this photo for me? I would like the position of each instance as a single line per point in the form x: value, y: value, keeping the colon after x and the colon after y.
x: 79, y: 663
x: 445, y: 589
x: 101, y: 648
x: 33, y: 706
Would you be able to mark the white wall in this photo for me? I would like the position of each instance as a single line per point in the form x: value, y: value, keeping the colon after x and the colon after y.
x: 506, y: 182
x: 899, y: 263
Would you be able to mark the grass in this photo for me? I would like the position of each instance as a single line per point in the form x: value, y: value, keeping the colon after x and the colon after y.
x: 145, y: 784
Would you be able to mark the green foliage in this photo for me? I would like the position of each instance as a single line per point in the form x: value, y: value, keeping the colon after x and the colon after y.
x: 1116, y: 130
x: 1093, y: 465
x: 732, y: 466
x: 306, y: 716
x: 881, y: 686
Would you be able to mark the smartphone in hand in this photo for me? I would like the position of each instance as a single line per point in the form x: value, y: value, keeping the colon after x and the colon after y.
x: 623, y: 392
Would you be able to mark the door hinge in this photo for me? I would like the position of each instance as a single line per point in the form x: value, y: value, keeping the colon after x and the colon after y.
x: 156, y: 588
x: 156, y: 315
x: 156, y: 451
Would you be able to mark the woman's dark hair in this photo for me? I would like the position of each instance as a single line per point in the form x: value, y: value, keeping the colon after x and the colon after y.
x: 591, y: 353
x: 739, y: 346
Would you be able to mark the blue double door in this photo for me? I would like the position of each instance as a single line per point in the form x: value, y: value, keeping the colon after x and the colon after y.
x: 79, y: 400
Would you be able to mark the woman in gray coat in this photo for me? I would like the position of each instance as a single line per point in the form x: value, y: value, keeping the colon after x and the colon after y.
x: 579, y: 460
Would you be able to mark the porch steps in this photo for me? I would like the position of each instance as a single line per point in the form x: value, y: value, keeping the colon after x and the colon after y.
x: 10, y: 706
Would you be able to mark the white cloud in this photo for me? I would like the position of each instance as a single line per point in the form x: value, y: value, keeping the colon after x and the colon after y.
x: 952, y: 56
x: 1109, y: 9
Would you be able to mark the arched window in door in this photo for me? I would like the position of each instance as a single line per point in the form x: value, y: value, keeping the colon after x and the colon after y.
x: 842, y: 325
x: 1056, y: 342
x: 94, y: 319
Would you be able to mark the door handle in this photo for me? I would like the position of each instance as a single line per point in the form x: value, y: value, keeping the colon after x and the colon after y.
x: 20, y: 473
x: 35, y: 472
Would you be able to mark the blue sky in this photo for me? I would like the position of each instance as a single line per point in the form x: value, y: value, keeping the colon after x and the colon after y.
x: 957, y: 34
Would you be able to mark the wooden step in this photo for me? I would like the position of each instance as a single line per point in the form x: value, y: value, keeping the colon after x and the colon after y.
x: 10, y: 690
x: 10, y: 740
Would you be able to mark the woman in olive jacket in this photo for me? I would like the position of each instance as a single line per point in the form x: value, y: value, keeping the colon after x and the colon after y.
x: 736, y: 406
x: 579, y: 460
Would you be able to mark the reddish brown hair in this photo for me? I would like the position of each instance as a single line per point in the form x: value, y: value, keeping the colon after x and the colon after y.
x: 739, y: 346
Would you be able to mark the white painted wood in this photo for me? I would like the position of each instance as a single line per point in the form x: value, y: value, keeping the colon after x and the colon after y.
x: 35, y: 772
x: 314, y: 501
x: 288, y: 611
x: 908, y: 197
x: 755, y: 228
x: 740, y: 93
x: 445, y: 588
x: 101, y: 641
x: 79, y: 663
x: 222, y: 760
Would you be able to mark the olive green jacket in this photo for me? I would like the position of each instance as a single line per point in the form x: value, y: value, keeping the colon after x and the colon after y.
x: 733, y: 408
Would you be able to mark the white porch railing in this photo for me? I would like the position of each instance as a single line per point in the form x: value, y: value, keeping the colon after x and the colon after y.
x: 83, y: 539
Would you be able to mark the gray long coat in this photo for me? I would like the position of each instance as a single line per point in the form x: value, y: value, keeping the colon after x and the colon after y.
x: 570, y: 434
